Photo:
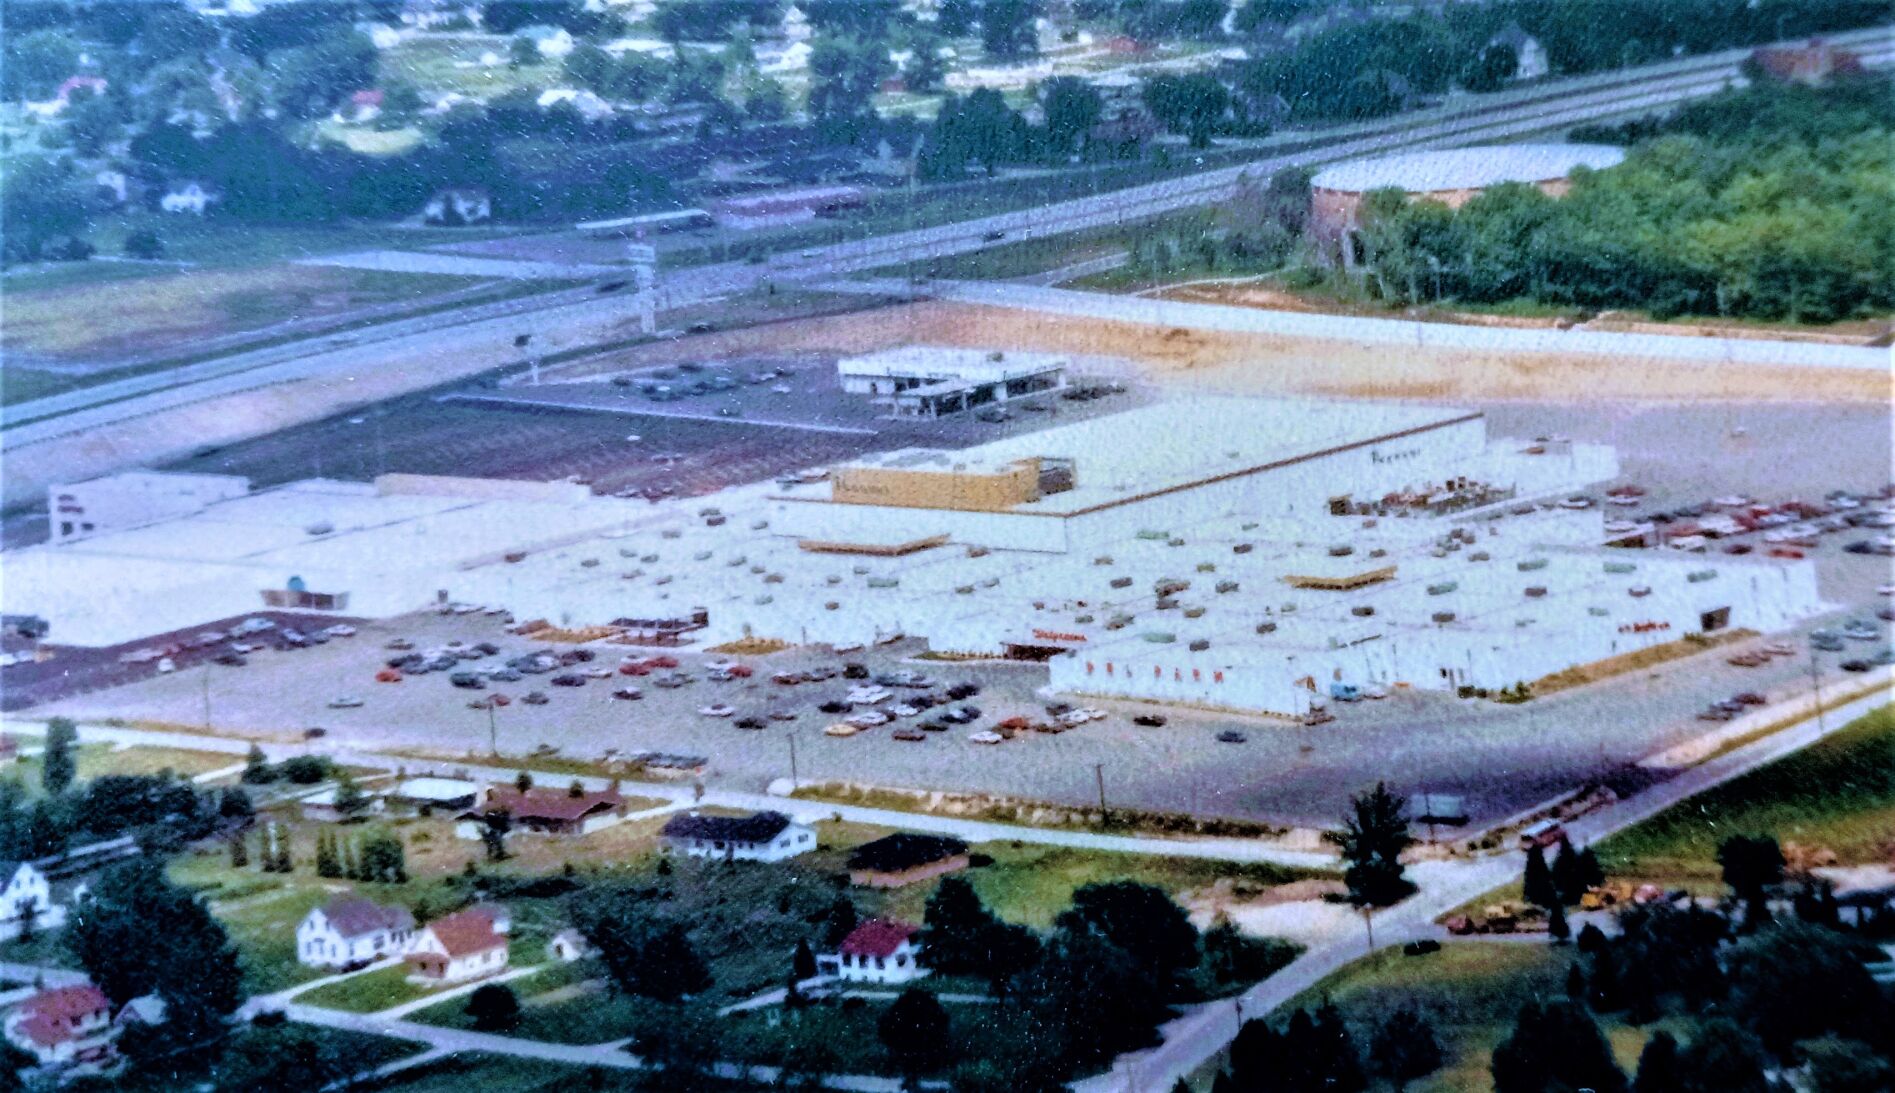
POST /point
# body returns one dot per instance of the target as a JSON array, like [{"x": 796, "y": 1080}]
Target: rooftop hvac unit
[
  {"x": 991, "y": 582},
  {"x": 701, "y": 556},
  {"x": 977, "y": 552},
  {"x": 1266, "y": 628},
  {"x": 322, "y": 528},
  {"x": 1242, "y": 548},
  {"x": 774, "y": 578},
  {"x": 1341, "y": 550},
  {"x": 1103, "y": 559},
  {"x": 1362, "y": 612},
  {"x": 1194, "y": 612},
  {"x": 588, "y": 563},
  {"x": 759, "y": 525},
  {"x": 715, "y": 521},
  {"x": 1166, "y": 603},
  {"x": 1200, "y": 645},
  {"x": 737, "y": 561},
  {"x": 1207, "y": 567},
  {"x": 884, "y": 582},
  {"x": 1531, "y": 564},
  {"x": 1597, "y": 612},
  {"x": 756, "y": 569},
  {"x": 1639, "y": 590},
  {"x": 763, "y": 599},
  {"x": 1118, "y": 622},
  {"x": 1227, "y": 586},
  {"x": 964, "y": 590},
  {"x": 710, "y": 510},
  {"x": 1444, "y": 616},
  {"x": 860, "y": 570},
  {"x": 627, "y": 552},
  {"x": 1620, "y": 567},
  {"x": 832, "y": 579},
  {"x": 1081, "y": 620},
  {"x": 1153, "y": 534},
  {"x": 1480, "y": 556},
  {"x": 1443, "y": 588},
  {"x": 1121, "y": 582},
  {"x": 1378, "y": 552},
  {"x": 1697, "y": 576},
  {"x": 648, "y": 558},
  {"x": 1175, "y": 542},
  {"x": 671, "y": 533},
  {"x": 1288, "y": 608},
  {"x": 1159, "y": 637},
  {"x": 515, "y": 555},
  {"x": 1536, "y": 591}
]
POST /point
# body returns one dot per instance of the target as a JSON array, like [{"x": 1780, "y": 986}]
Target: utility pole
[
  {"x": 794, "y": 781},
  {"x": 493, "y": 730},
  {"x": 1098, "y": 774},
  {"x": 207, "y": 695}
]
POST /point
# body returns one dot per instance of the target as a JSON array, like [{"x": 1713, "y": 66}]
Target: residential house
[
  {"x": 546, "y": 810},
  {"x": 761, "y": 836},
  {"x": 552, "y": 42},
  {"x": 351, "y": 932},
  {"x": 25, "y": 889},
  {"x": 462, "y": 946},
  {"x": 1529, "y": 54},
  {"x": 67, "y": 1027},
  {"x": 458, "y": 205},
  {"x": 877, "y": 951},
  {"x": 904, "y": 858},
  {"x": 189, "y": 197},
  {"x": 146, "y": 1009},
  {"x": 567, "y": 946}
]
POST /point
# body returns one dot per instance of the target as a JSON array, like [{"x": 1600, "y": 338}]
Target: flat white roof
[
  {"x": 1119, "y": 457},
  {"x": 976, "y": 365},
  {"x": 1466, "y": 168}
]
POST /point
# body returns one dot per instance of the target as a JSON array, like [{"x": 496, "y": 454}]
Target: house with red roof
[
  {"x": 351, "y": 932},
  {"x": 67, "y": 1027},
  {"x": 465, "y": 945},
  {"x": 877, "y": 951},
  {"x": 547, "y": 810}
]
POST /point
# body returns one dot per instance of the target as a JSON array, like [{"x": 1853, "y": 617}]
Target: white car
[
  {"x": 868, "y": 696},
  {"x": 984, "y": 737},
  {"x": 1375, "y": 691},
  {"x": 904, "y": 710},
  {"x": 868, "y": 719},
  {"x": 1576, "y": 503},
  {"x": 166, "y": 664},
  {"x": 1074, "y": 718},
  {"x": 717, "y": 709},
  {"x": 344, "y": 702},
  {"x": 465, "y": 608},
  {"x": 599, "y": 673},
  {"x": 341, "y": 630},
  {"x": 1093, "y": 714},
  {"x": 1625, "y": 499}
]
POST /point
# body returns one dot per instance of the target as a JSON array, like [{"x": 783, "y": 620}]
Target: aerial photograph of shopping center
[{"x": 977, "y": 546}]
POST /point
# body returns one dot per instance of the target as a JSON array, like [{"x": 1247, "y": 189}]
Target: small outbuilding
[{"x": 904, "y": 858}]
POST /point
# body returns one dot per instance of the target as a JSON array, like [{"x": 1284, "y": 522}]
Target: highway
[{"x": 482, "y": 327}]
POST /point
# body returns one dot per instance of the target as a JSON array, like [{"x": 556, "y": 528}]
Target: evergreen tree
[
  {"x": 1576, "y": 986},
  {"x": 350, "y": 800},
  {"x": 1750, "y": 865},
  {"x": 1372, "y": 840},
  {"x": 1553, "y": 1049},
  {"x": 523, "y": 781},
  {"x": 1556, "y": 925},
  {"x": 1845, "y": 1066},
  {"x": 1256, "y": 1055},
  {"x": 239, "y": 854},
  {"x": 1592, "y": 940},
  {"x": 803, "y": 964},
  {"x": 256, "y": 769},
  {"x": 1575, "y": 872},
  {"x": 1405, "y": 1048},
  {"x": 575, "y": 790},
  {"x": 384, "y": 860},
  {"x": 495, "y": 823},
  {"x": 1723, "y": 1058},
  {"x": 494, "y": 1008},
  {"x": 57, "y": 765},
  {"x": 842, "y": 921},
  {"x": 1142, "y": 920},
  {"x": 1658, "y": 1066},
  {"x": 914, "y": 1030},
  {"x": 1538, "y": 885},
  {"x": 326, "y": 864},
  {"x": 1337, "y": 1060}
]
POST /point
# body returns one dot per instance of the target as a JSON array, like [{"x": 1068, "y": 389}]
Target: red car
[
  {"x": 388, "y": 675},
  {"x": 662, "y": 660},
  {"x": 635, "y": 668}
]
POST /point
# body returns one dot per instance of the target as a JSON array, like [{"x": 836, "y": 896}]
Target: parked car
[
  {"x": 535, "y": 698},
  {"x": 834, "y": 706},
  {"x": 1232, "y": 736},
  {"x": 855, "y": 671},
  {"x": 908, "y": 733},
  {"x": 629, "y": 694},
  {"x": 984, "y": 736},
  {"x": 782, "y": 715},
  {"x": 467, "y": 681},
  {"x": 386, "y": 675},
  {"x": 750, "y": 723},
  {"x": 231, "y": 659},
  {"x": 841, "y": 728},
  {"x": 569, "y": 679},
  {"x": 344, "y": 702},
  {"x": 1149, "y": 720}
]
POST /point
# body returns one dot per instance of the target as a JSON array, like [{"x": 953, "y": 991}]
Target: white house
[
  {"x": 462, "y": 946},
  {"x": 191, "y": 197},
  {"x": 67, "y": 1027},
  {"x": 877, "y": 951},
  {"x": 552, "y": 42},
  {"x": 567, "y": 946},
  {"x": 763, "y": 836},
  {"x": 349, "y": 932},
  {"x": 26, "y": 887}
]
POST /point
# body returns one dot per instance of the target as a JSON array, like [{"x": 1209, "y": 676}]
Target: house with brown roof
[
  {"x": 465, "y": 945},
  {"x": 67, "y": 1027},
  {"x": 760, "y": 836},
  {"x": 877, "y": 951},
  {"x": 351, "y": 932},
  {"x": 904, "y": 858},
  {"x": 547, "y": 811}
]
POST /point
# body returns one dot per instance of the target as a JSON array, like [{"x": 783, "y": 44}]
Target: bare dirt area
[{"x": 1275, "y": 364}]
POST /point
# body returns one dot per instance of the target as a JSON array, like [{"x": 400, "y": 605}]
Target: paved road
[
  {"x": 1199, "y": 1035},
  {"x": 1250, "y": 320},
  {"x": 448, "y": 335}
]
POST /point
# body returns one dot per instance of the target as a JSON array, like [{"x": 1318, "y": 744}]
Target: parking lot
[
  {"x": 1502, "y": 758},
  {"x": 621, "y": 440}
]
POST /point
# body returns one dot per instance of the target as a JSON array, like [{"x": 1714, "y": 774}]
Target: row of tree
[{"x": 1771, "y": 225}]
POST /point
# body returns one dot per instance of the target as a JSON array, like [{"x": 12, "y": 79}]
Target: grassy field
[
  {"x": 1471, "y": 991},
  {"x": 93, "y": 760},
  {"x": 1837, "y": 794},
  {"x": 438, "y": 64},
  {"x": 363, "y": 1049},
  {"x": 368, "y": 992}
]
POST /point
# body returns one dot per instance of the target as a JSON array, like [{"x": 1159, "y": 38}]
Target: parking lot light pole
[
  {"x": 1098, "y": 774},
  {"x": 493, "y": 731},
  {"x": 794, "y": 783},
  {"x": 207, "y": 696},
  {"x": 1816, "y": 684}
]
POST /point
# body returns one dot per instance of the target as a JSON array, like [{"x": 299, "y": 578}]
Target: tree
[
  {"x": 1750, "y": 865},
  {"x": 523, "y": 52},
  {"x": 36, "y": 63},
  {"x": 1007, "y": 28},
  {"x": 1194, "y": 105},
  {"x": 39, "y": 202},
  {"x": 1575, "y": 872},
  {"x": 309, "y": 81},
  {"x": 495, "y": 823},
  {"x": 350, "y": 800},
  {"x": 1405, "y": 1048},
  {"x": 914, "y": 1030},
  {"x": 1556, "y": 1048},
  {"x": 1723, "y": 1058},
  {"x": 1491, "y": 68},
  {"x": 1538, "y": 883},
  {"x": 1072, "y": 107},
  {"x": 328, "y": 864},
  {"x": 1844, "y": 1066},
  {"x": 957, "y": 18},
  {"x": 1557, "y": 927},
  {"x": 841, "y": 921},
  {"x": 523, "y": 781},
  {"x": 1086, "y": 1001},
  {"x": 144, "y": 244},
  {"x": 1259, "y": 1056},
  {"x": 239, "y": 852},
  {"x": 1142, "y": 920},
  {"x": 1799, "y": 981},
  {"x": 256, "y": 769},
  {"x": 803, "y": 962},
  {"x": 1658, "y": 1068},
  {"x": 494, "y": 1008},
  {"x": 924, "y": 70},
  {"x": 383, "y": 859},
  {"x": 1372, "y": 840},
  {"x": 1334, "y": 1060},
  {"x": 645, "y": 954},
  {"x": 958, "y": 930},
  {"x": 844, "y": 74},
  {"x": 57, "y": 765},
  {"x": 283, "y": 1057}
]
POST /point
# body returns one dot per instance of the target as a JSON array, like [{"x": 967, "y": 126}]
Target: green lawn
[
  {"x": 365, "y": 1050},
  {"x": 368, "y": 992},
  {"x": 1472, "y": 993},
  {"x": 556, "y": 1008},
  {"x": 1838, "y": 793}
]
